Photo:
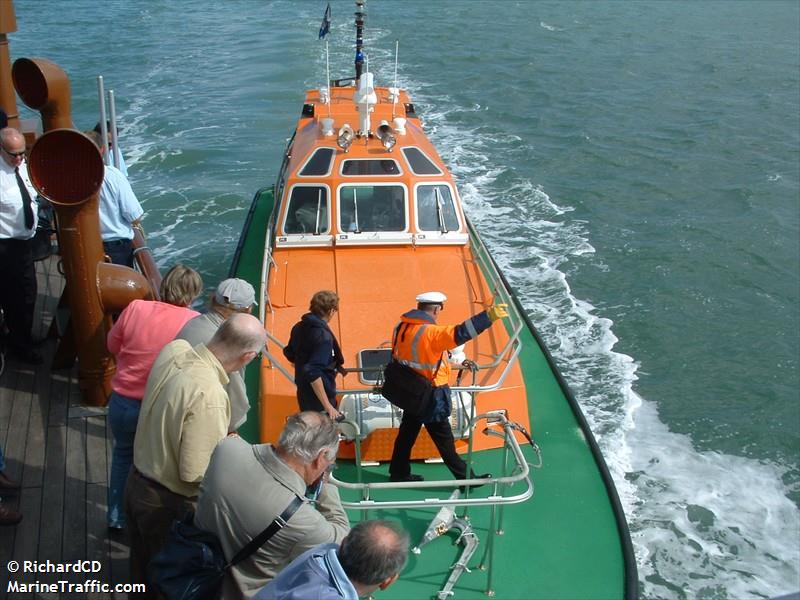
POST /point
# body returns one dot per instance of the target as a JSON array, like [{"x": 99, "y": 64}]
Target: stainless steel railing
[{"x": 520, "y": 472}]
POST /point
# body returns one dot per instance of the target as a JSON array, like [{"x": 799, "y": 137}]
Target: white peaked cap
[{"x": 431, "y": 298}]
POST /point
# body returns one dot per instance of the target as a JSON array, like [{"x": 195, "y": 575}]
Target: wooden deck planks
[{"x": 60, "y": 451}]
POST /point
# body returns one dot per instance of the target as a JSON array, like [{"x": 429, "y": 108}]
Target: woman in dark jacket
[{"x": 316, "y": 355}]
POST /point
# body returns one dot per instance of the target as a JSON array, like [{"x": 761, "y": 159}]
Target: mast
[{"x": 360, "y": 14}]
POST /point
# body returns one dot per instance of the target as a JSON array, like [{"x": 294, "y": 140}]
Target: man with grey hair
[
  {"x": 246, "y": 487},
  {"x": 185, "y": 413},
  {"x": 232, "y": 296},
  {"x": 369, "y": 558}
]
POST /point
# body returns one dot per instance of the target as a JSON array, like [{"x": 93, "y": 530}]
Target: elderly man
[
  {"x": 246, "y": 487},
  {"x": 370, "y": 558},
  {"x": 120, "y": 211},
  {"x": 421, "y": 344},
  {"x": 231, "y": 297},
  {"x": 18, "y": 220},
  {"x": 185, "y": 413}
]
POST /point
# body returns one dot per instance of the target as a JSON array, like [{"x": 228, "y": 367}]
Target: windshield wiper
[
  {"x": 440, "y": 210},
  {"x": 319, "y": 212},
  {"x": 355, "y": 211}
]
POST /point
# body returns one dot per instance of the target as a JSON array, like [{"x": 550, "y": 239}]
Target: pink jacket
[{"x": 141, "y": 331}]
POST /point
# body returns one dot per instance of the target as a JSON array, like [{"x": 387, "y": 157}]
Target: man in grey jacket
[
  {"x": 247, "y": 486},
  {"x": 232, "y": 296}
]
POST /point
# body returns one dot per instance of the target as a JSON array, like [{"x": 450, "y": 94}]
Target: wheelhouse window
[
  {"x": 308, "y": 210},
  {"x": 372, "y": 208},
  {"x": 319, "y": 163},
  {"x": 419, "y": 163},
  {"x": 436, "y": 210},
  {"x": 356, "y": 167}
]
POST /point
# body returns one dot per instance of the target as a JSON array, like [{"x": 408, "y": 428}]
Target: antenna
[
  {"x": 103, "y": 122},
  {"x": 328, "y": 76},
  {"x": 396, "y": 52},
  {"x": 394, "y": 92}
]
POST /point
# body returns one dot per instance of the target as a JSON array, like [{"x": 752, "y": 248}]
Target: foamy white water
[{"x": 704, "y": 524}]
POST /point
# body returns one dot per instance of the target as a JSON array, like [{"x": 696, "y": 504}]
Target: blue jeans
[
  {"x": 2, "y": 461},
  {"x": 123, "y": 414}
]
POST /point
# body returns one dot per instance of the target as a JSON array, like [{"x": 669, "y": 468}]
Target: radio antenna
[
  {"x": 396, "y": 52},
  {"x": 328, "y": 76}
]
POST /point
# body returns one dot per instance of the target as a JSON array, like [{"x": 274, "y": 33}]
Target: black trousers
[
  {"x": 442, "y": 436},
  {"x": 17, "y": 290},
  {"x": 120, "y": 252}
]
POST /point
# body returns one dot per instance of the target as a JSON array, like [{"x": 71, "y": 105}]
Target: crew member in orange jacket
[{"x": 421, "y": 344}]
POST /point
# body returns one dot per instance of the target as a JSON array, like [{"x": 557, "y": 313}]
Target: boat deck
[{"x": 61, "y": 453}]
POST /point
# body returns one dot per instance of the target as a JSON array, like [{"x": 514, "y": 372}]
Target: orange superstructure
[{"x": 365, "y": 206}]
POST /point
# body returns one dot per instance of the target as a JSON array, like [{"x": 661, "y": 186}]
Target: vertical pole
[
  {"x": 114, "y": 137},
  {"x": 396, "y": 52},
  {"x": 471, "y": 433},
  {"x": 328, "y": 77},
  {"x": 8, "y": 98},
  {"x": 396, "y": 90},
  {"x": 101, "y": 96}
]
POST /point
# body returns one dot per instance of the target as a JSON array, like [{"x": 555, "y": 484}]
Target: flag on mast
[{"x": 326, "y": 22}]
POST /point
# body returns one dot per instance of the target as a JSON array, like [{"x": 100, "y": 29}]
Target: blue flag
[{"x": 326, "y": 23}]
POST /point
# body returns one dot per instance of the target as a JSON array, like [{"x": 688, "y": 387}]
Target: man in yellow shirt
[{"x": 185, "y": 413}]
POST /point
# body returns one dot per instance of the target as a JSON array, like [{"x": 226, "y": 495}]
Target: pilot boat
[{"x": 364, "y": 205}]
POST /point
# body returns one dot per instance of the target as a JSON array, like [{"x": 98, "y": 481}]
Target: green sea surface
[{"x": 634, "y": 167}]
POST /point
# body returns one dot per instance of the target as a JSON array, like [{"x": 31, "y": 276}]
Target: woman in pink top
[{"x": 141, "y": 331}]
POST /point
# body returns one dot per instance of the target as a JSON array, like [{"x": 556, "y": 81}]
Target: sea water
[{"x": 634, "y": 167}]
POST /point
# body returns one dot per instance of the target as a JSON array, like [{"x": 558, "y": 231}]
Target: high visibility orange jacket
[{"x": 421, "y": 344}]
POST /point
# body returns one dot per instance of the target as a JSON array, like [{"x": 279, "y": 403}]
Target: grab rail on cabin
[
  {"x": 265, "y": 266},
  {"x": 520, "y": 472}
]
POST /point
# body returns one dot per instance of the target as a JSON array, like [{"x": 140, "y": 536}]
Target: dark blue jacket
[{"x": 315, "y": 353}]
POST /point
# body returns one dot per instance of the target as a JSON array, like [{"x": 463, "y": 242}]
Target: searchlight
[
  {"x": 345, "y": 137},
  {"x": 385, "y": 136}
]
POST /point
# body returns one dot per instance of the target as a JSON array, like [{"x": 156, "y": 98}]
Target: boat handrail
[
  {"x": 521, "y": 472},
  {"x": 467, "y": 388},
  {"x": 265, "y": 266}
]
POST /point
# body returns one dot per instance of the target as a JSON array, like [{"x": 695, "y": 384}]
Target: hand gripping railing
[{"x": 520, "y": 472}]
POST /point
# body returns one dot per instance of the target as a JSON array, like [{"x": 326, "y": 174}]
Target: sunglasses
[{"x": 14, "y": 154}]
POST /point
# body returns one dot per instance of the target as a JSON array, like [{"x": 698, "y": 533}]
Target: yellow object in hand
[{"x": 497, "y": 311}]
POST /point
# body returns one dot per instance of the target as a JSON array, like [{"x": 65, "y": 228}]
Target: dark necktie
[{"x": 26, "y": 200}]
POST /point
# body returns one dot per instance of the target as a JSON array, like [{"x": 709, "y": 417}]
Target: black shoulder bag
[
  {"x": 407, "y": 389},
  {"x": 191, "y": 565}
]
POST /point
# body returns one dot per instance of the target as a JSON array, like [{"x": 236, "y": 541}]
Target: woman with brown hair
[
  {"x": 316, "y": 355},
  {"x": 142, "y": 330}
]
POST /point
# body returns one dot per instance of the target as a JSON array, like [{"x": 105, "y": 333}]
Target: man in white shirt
[
  {"x": 123, "y": 168},
  {"x": 120, "y": 211},
  {"x": 18, "y": 220}
]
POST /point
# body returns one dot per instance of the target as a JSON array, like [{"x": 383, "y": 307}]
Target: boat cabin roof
[{"x": 365, "y": 190}]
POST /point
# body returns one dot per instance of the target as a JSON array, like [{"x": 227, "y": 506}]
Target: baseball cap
[{"x": 235, "y": 293}]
